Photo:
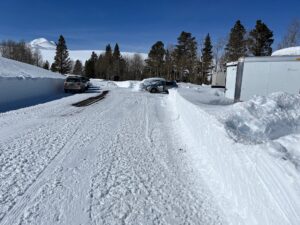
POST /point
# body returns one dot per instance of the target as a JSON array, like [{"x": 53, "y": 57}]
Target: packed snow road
[{"x": 114, "y": 162}]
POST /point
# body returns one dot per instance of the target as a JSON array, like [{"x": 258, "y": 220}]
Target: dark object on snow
[{"x": 91, "y": 100}]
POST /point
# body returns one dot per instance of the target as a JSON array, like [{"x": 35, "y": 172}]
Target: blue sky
[{"x": 136, "y": 25}]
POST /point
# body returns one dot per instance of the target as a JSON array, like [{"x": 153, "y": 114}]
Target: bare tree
[
  {"x": 292, "y": 36},
  {"x": 18, "y": 51},
  {"x": 218, "y": 53},
  {"x": 136, "y": 66},
  {"x": 37, "y": 58}
]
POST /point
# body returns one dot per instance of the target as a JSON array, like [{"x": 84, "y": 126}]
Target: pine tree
[
  {"x": 185, "y": 56},
  {"x": 155, "y": 61},
  {"x": 78, "y": 68},
  {"x": 46, "y": 65},
  {"x": 260, "y": 40},
  {"x": 62, "y": 62},
  {"x": 90, "y": 64},
  {"x": 207, "y": 57},
  {"x": 116, "y": 63},
  {"x": 53, "y": 67},
  {"x": 116, "y": 53},
  {"x": 236, "y": 46},
  {"x": 108, "y": 62}
]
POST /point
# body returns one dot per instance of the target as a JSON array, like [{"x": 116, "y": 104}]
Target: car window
[{"x": 72, "y": 79}]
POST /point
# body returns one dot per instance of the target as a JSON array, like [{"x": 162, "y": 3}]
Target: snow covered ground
[
  {"x": 190, "y": 157},
  {"x": 114, "y": 162},
  {"x": 248, "y": 153}
]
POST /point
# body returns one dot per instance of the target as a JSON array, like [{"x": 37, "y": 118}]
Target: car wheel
[{"x": 153, "y": 90}]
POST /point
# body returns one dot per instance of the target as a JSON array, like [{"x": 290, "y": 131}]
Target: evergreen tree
[
  {"x": 260, "y": 40},
  {"x": 117, "y": 63},
  {"x": 108, "y": 62},
  {"x": 62, "y": 62},
  {"x": 46, "y": 65},
  {"x": 155, "y": 61},
  {"x": 78, "y": 68},
  {"x": 236, "y": 46},
  {"x": 116, "y": 53},
  {"x": 185, "y": 56},
  {"x": 53, "y": 67},
  {"x": 90, "y": 64},
  {"x": 207, "y": 56}
]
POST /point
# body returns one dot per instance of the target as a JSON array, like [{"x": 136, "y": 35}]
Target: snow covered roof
[
  {"x": 287, "y": 51},
  {"x": 232, "y": 63}
]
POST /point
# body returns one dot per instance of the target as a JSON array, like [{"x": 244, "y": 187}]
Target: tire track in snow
[
  {"x": 68, "y": 130},
  {"x": 141, "y": 186}
]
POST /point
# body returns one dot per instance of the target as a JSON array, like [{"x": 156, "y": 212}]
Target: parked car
[
  {"x": 154, "y": 85},
  {"x": 87, "y": 82},
  {"x": 75, "y": 84},
  {"x": 171, "y": 84}
]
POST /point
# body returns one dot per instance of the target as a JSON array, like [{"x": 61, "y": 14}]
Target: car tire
[{"x": 153, "y": 90}]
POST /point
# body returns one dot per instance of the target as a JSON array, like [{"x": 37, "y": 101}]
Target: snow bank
[
  {"x": 12, "y": 68},
  {"x": 263, "y": 118},
  {"x": 287, "y": 51},
  {"x": 20, "y": 82},
  {"x": 132, "y": 84},
  {"x": 251, "y": 186}
]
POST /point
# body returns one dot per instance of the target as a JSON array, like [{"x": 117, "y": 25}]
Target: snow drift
[
  {"x": 20, "y": 82},
  {"x": 255, "y": 183},
  {"x": 263, "y": 118}
]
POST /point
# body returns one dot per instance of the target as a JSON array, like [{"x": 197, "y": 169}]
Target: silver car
[
  {"x": 154, "y": 85},
  {"x": 75, "y": 84}
]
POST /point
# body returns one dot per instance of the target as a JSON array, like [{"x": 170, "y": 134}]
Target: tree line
[
  {"x": 187, "y": 60},
  {"x": 21, "y": 52},
  {"x": 184, "y": 61}
]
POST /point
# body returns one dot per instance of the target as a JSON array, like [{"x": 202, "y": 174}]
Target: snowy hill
[
  {"x": 42, "y": 43},
  {"x": 47, "y": 49},
  {"x": 287, "y": 51}
]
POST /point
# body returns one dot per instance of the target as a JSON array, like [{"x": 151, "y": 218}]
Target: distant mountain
[
  {"x": 47, "y": 49},
  {"x": 42, "y": 43}
]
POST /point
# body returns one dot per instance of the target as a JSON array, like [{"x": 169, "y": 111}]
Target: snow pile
[
  {"x": 263, "y": 118},
  {"x": 20, "y": 83},
  {"x": 124, "y": 84},
  {"x": 131, "y": 84},
  {"x": 287, "y": 51},
  {"x": 42, "y": 43},
  {"x": 253, "y": 184}
]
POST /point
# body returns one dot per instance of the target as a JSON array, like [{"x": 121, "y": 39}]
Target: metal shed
[{"x": 261, "y": 76}]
